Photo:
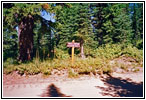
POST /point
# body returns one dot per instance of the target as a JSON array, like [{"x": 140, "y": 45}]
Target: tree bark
[
  {"x": 25, "y": 35},
  {"x": 82, "y": 50}
]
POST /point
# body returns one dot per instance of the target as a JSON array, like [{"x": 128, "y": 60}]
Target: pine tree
[
  {"x": 63, "y": 29},
  {"x": 24, "y": 16},
  {"x": 98, "y": 20},
  {"x": 112, "y": 23},
  {"x": 122, "y": 24},
  {"x": 85, "y": 29},
  {"x": 10, "y": 47},
  {"x": 137, "y": 24}
]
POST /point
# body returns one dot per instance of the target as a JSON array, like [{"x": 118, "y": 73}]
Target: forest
[{"x": 35, "y": 36}]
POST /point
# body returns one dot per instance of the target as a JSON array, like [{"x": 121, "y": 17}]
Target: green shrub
[
  {"x": 139, "y": 44},
  {"x": 28, "y": 69},
  {"x": 60, "y": 54},
  {"x": 133, "y": 52},
  {"x": 10, "y": 61},
  {"x": 109, "y": 51},
  {"x": 89, "y": 52},
  {"x": 9, "y": 69}
]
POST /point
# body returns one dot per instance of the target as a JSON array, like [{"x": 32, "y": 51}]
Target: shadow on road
[
  {"x": 53, "y": 91},
  {"x": 118, "y": 87}
]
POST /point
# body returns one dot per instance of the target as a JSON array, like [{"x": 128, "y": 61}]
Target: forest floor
[{"x": 120, "y": 83}]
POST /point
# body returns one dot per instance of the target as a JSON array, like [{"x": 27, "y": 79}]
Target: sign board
[{"x": 71, "y": 44}]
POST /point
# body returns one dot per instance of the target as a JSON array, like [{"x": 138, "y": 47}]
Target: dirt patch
[
  {"x": 123, "y": 85},
  {"x": 117, "y": 85},
  {"x": 125, "y": 64},
  {"x": 120, "y": 83}
]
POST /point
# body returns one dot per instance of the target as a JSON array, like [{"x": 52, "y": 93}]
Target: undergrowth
[
  {"x": 111, "y": 51},
  {"x": 99, "y": 64}
]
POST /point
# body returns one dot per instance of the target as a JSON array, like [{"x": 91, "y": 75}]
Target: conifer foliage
[{"x": 91, "y": 24}]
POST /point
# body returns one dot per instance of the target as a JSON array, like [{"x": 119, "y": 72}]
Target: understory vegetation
[{"x": 99, "y": 64}]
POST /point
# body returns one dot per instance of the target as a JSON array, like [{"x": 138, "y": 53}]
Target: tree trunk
[
  {"x": 82, "y": 50},
  {"x": 25, "y": 35}
]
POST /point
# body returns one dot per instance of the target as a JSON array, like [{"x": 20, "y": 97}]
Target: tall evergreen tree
[
  {"x": 112, "y": 23},
  {"x": 84, "y": 29},
  {"x": 122, "y": 23},
  {"x": 24, "y": 15},
  {"x": 98, "y": 21},
  {"x": 137, "y": 24}
]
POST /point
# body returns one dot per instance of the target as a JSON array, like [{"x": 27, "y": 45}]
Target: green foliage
[
  {"x": 10, "y": 47},
  {"x": 9, "y": 69},
  {"x": 28, "y": 69},
  {"x": 123, "y": 29},
  {"x": 14, "y": 14},
  {"x": 60, "y": 54},
  {"x": 93, "y": 24},
  {"x": 139, "y": 44},
  {"x": 106, "y": 31},
  {"x": 111, "y": 51},
  {"x": 100, "y": 64},
  {"x": 10, "y": 61},
  {"x": 137, "y": 24},
  {"x": 133, "y": 52}
]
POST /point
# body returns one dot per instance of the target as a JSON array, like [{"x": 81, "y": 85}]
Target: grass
[
  {"x": 82, "y": 66},
  {"x": 98, "y": 65},
  {"x": 72, "y": 74}
]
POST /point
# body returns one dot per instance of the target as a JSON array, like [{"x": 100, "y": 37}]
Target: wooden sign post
[
  {"x": 72, "y": 53},
  {"x": 73, "y": 45}
]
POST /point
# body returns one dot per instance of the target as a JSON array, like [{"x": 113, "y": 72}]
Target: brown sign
[{"x": 71, "y": 44}]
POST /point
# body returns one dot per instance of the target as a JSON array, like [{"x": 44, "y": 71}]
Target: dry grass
[{"x": 98, "y": 65}]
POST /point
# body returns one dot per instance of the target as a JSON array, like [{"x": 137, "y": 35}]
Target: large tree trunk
[{"x": 25, "y": 33}]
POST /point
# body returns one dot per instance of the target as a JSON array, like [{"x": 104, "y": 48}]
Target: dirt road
[{"x": 115, "y": 85}]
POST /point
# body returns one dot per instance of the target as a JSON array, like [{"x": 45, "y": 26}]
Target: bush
[
  {"x": 28, "y": 69},
  {"x": 10, "y": 61},
  {"x": 133, "y": 52},
  {"x": 89, "y": 52},
  {"x": 109, "y": 51},
  {"x": 60, "y": 54},
  {"x": 9, "y": 69},
  {"x": 139, "y": 44}
]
